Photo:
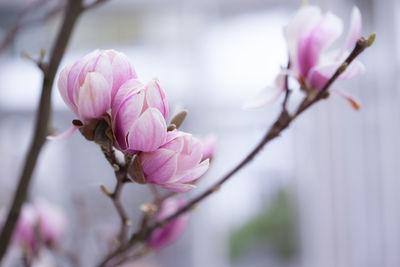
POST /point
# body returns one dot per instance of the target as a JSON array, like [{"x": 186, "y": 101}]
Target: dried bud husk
[
  {"x": 100, "y": 133},
  {"x": 171, "y": 127},
  {"x": 88, "y": 129},
  {"x": 135, "y": 171},
  {"x": 179, "y": 118}
]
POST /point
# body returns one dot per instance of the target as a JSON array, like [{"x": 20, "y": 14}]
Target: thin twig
[
  {"x": 283, "y": 121},
  {"x": 287, "y": 90},
  {"x": 41, "y": 126},
  {"x": 116, "y": 199},
  {"x": 20, "y": 24}
]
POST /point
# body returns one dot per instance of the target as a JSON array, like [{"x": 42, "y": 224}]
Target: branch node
[
  {"x": 105, "y": 190},
  {"x": 116, "y": 167}
]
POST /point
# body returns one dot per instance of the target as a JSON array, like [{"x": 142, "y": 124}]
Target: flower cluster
[
  {"x": 40, "y": 224},
  {"x": 308, "y": 35},
  {"x": 105, "y": 84}
]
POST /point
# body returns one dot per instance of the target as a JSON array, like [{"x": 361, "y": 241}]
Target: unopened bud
[
  {"x": 179, "y": 118},
  {"x": 42, "y": 53},
  {"x": 105, "y": 190},
  {"x": 343, "y": 67},
  {"x": 371, "y": 39}
]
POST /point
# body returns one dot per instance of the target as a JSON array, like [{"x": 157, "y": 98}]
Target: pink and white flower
[
  {"x": 138, "y": 116},
  {"x": 168, "y": 234},
  {"x": 40, "y": 223},
  {"x": 308, "y": 35},
  {"x": 91, "y": 83},
  {"x": 176, "y": 163}
]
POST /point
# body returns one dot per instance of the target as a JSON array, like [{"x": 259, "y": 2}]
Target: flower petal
[
  {"x": 130, "y": 86},
  {"x": 177, "y": 187},
  {"x": 196, "y": 172},
  {"x": 313, "y": 42},
  {"x": 159, "y": 166},
  {"x": 319, "y": 75},
  {"x": 64, "y": 89},
  {"x": 355, "y": 103},
  {"x": 156, "y": 98},
  {"x": 94, "y": 97},
  {"x": 148, "y": 132},
  {"x": 125, "y": 116},
  {"x": 63, "y": 135},
  {"x": 355, "y": 28},
  {"x": 122, "y": 71},
  {"x": 268, "y": 95},
  {"x": 303, "y": 21},
  {"x": 191, "y": 154}
]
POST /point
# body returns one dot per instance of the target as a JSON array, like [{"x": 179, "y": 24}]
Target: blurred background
[{"x": 326, "y": 193}]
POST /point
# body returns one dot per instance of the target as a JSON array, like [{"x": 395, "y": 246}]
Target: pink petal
[
  {"x": 126, "y": 115},
  {"x": 129, "y": 87},
  {"x": 319, "y": 75},
  {"x": 64, "y": 88},
  {"x": 355, "y": 103},
  {"x": 63, "y": 135},
  {"x": 148, "y": 132},
  {"x": 196, "y": 172},
  {"x": 52, "y": 221},
  {"x": 175, "y": 144},
  {"x": 303, "y": 21},
  {"x": 172, "y": 231},
  {"x": 191, "y": 154},
  {"x": 268, "y": 95},
  {"x": 94, "y": 97},
  {"x": 122, "y": 71},
  {"x": 159, "y": 166},
  {"x": 177, "y": 187},
  {"x": 156, "y": 98},
  {"x": 312, "y": 43},
  {"x": 355, "y": 28},
  {"x": 74, "y": 81}
]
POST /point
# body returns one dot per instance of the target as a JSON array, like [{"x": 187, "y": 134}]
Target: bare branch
[{"x": 72, "y": 13}]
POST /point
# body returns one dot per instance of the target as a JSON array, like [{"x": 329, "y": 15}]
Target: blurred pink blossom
[
  {"x": 176, "y": 163},
  {"x": 91, "y": 83},
  {"x": 168, "y": 234},
  {"x": 308, "y": 35},
  {"x": 40, "y": 223},
  {"x": 138, "y": 116}
]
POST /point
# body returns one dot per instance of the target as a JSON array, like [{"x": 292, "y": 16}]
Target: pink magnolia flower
[
  {"x": 90, "y": 84},
  {"x": 168, "y": 234},
  {"x": 39, "y": 223},
  {"x": 176, "y": 163},
  {"x": 138, "y": 116},
  {"x": 308, "y": 35}
]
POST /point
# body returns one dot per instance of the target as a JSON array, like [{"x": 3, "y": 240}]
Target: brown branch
[
  {"x": 20, "y": 24},
  {"x": 73, "y": 10},
  {"x": 281, "y": 124}
]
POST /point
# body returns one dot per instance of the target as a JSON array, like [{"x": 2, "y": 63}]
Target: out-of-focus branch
[
  {"x": 21, "y": 24},
  {"x": 121, "y": 175},
  {"x": 41, "y": 126},
  {"x": 73, "y": 10},
  {"x": 282, "y": 122}
]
